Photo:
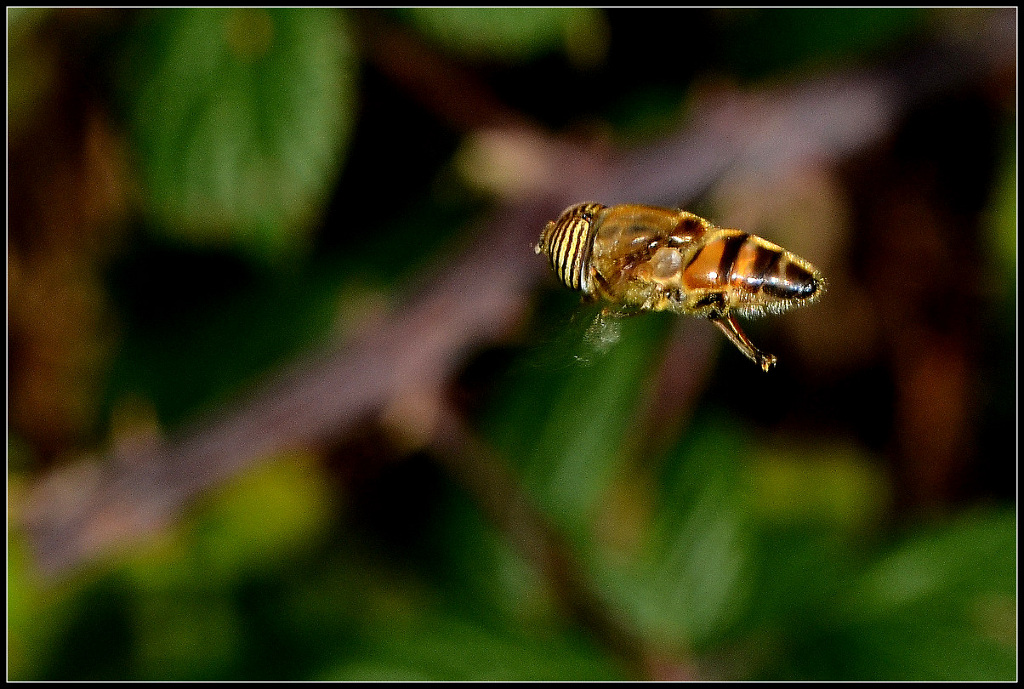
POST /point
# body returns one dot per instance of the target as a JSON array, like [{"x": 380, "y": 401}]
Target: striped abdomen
[
  {"x": 569, "y": 245},
  {"x": 646, "y": 258},
  {"x": 755, "y": 274}
]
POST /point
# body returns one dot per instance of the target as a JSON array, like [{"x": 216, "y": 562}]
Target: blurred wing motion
[
  {"x": 646, "y": 258},
  {"x": 603, "y": 333}
]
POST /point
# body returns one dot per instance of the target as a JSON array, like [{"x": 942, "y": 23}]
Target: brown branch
[{"x": 77, "y": 512}]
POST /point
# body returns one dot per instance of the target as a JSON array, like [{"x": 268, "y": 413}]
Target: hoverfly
[{"x": 646, "y": 258}]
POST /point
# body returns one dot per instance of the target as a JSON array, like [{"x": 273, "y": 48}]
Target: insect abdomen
[{"x": 756, "y": 272}]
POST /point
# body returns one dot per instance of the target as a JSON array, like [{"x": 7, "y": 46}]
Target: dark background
[{"x": 291, "y": 397}]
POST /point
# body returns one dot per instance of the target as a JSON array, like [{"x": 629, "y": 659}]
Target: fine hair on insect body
[{"x": 639, "y": 258}]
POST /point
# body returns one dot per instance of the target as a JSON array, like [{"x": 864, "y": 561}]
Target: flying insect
[{"x": 647, "y": 258}]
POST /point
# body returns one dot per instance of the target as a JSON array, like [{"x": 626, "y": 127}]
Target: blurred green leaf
[
  {"x": 183, "y": 364},
  {"x": 765, "y": 41},
  {"x": 193, "y": 344},
  {"x": 647, "y": 114},
  {"x": 428, "y": 644},
  {"x": 692, "y": 578},
  {"x": 834, "y": 486},
  {"x": 37, "y": 614},
  {"x": 22, "y": 20},
  {"x": 749, "y": 557},
  {"x": 183, "y": 585},
  {"x": 19, "y": 456},
  {"x": 922, "y": 648},
  {"x": 240, "y": 118},
  {"x": 259, "y": 521},
  {"x": 1002, "y": 213},
  {"x": 32, "y": 69},
  {"x": 568, "y": 409},
  {"x": 973, "y": 556},
  {"x": 508, "y": 33},
  {"x": 185, "y": 635},
  {"x": 483, "y": 576},
  {"x": 265, "y": 517},
  {"x": 375, "y": 619},
  {"x": 939, "y": 606}
]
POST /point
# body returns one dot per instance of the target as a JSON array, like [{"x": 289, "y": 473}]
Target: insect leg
[{"x": 731, "y": 328}]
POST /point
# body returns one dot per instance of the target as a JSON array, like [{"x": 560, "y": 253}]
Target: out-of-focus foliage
[
  {"x": 513, "y": 34},
  {"x": 246, "y": 588},
  {"x": 564, "y": 429},
  {"x": 764, "y": 534},
  {"x": 239, "y": 119},
  {"x": 1002, "y": 217},
  {"x": 202, "y": 341},
  {"x": 773, "y": 41}
]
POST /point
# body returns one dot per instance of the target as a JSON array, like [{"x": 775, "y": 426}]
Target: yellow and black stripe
[
  {"x": 749, "y": 263},
  {"x": 569, "y": 245}
]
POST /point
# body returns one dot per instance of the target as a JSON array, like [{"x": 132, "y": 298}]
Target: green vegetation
[{"x": 281, "y": 190}]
